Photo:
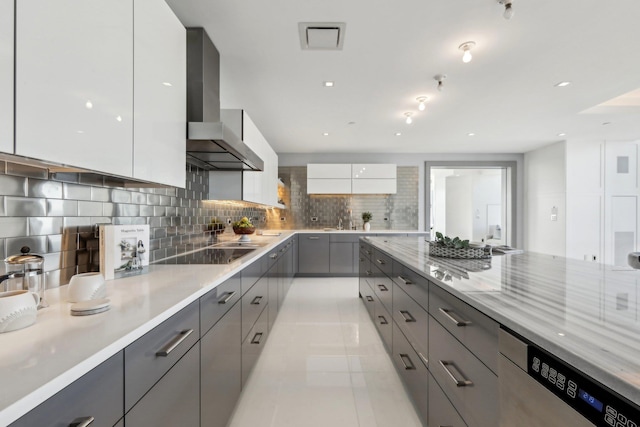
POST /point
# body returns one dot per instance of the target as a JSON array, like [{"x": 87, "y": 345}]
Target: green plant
[
  {"x": 448, "y": 242},
  {"x": 366, "y": 216}
]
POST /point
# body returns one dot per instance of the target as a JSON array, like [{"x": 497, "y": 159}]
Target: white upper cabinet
[
  {"x": 6, "y": 76},
  {"x": 74, "y": 83},
  {"x": 159, "y": 84},
  {"x": 351, "y": 179},
  {"x": 373, "y": 171},
  {"x": 259, "y": 187}
]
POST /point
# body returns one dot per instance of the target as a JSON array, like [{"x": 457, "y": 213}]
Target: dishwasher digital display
[{"x": 579, "y": 391}]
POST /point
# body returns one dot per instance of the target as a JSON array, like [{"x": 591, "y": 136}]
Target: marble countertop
[
  {"x": 42, "y": 359},
  {"x": 587, "y": 314}
]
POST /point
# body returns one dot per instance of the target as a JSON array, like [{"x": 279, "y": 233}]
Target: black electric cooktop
[{"x": 208, "y": 256}]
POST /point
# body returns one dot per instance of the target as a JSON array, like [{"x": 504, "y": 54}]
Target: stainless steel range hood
[{"x": 211, "y": 144}]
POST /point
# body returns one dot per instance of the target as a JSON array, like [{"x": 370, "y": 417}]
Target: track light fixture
[
  {"x": 421, "y": 100},
  {"x": 466, "y": 48},
  {"x": 440, "y": 79},
  {"x": 508, "y": 8}
]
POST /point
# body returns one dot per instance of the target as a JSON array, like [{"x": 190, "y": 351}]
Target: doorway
[{"x": 472, "y": 200}]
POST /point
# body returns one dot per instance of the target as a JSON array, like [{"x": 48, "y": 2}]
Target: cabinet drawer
[
  {"x": 383, "y": 262},
  {"x": 383, "y": 321},
  {"x": 175, "y": 399},
  {"x": 413, "y": 320},
  {"x": 251, "y": 274},
  {"x": 467, "y": 382},
  {"x": 383, "y": 287},
  {"x": 365, "y": 249},
  {"x": 413, "y": 373},
  {"x": 217, "y": 302},
  {"x": 368, "y": 297},
  {"x": 364, "y": 265},
  {"x": 253, "y": 302},
  {"x": 416, "y": 286},
  {"x": 150, "y": 357},
  {"x": 253, "y": 345},
  {"x": 476, "y": 331},
  {"x": 441, "y": 411},
  {"x": 97, "y": 394},
  {"x": 344, "y": 238}
]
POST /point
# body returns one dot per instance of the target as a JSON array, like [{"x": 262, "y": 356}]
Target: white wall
[
  {"x": 415, "y": 159},
  {"x": 545, "y": 194}
]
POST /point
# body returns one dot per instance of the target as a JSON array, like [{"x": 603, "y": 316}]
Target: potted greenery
[{"x": 366, "y": 217}]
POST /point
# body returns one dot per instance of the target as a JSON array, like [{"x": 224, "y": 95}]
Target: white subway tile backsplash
[
  {"x": 23, "y": 206},
  {"x": 44, "y": 189},
  {"x": 62, "y": 207},
  {"x": 42, "y": 226},
  {"x": 76, "y": 191}
]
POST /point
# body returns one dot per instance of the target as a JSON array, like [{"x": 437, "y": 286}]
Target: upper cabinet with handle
[
  {"x": 89, "y": 94},
  {"x": 74, "y": 75},
  {"x": 351, "y": 178},
  {"x": 6, "y": 75}
]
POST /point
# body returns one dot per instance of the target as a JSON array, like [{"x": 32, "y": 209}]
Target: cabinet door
[
  {"x": 374, "y": 186},
  {"x": 313, "y": 253},
  {"x": 341, "y": 258},
  {"x": 275, "y": 289},
  {"x": 74, "y": 83},
  {"x": 328, "y": 186},
  {"x": 6, "y": 75},
  {"x": 329, "y": 170},
  {"x": 159, "y": 84},
  {"x": 97, "y": 394},
  {"x": 221, "y": 369},
  {"x": 175, "y": 399},
  {"x": 253, "y": 345},
  {"x": 413, "y": 373},
  {"x": 441, "y": 411},
  {"x": 373, "y": 170}
]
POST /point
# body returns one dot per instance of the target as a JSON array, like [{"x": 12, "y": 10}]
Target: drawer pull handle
[
  {"x": 404, "y": 358},
  {"x": 381, "y": 262},
  {"x": 273, "y": 256},
  {"x": 368, "y": 252},
  {"x": 405, "y": 281},
  {"x": 82, "y": 422},
  {"x": 314, "y": 238},
  {"x": 368, "y": 273},
  {"x": 426, "y": 361},
  {"x": 369, "y": 298},
  {"x": 383, "y": 321},
  {"x": 175, "y": 342},
  {"x": 457, "y": 322},
  {"x": 257, "y": 338},
  {"x": 458, "y": 383},
  {"x": 383, "y": 288},
  {"x": 407, "y": 316},
  {"x": 227, "y": 298},
  {"x": 256, "y": 300},
  {"x": 361, "y": 259},
  {"x": 282, "y": 250}
]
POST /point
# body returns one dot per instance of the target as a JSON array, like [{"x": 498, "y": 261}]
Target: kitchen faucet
[{"x": 339, "y": 223}]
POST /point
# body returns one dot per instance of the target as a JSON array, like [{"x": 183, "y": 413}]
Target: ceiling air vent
[{"x": 321, "y": 35}]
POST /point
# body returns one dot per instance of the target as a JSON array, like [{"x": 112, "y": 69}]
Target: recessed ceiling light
[
  {"x": 471, "y": 134},
  {"x": 328, "y": 84},
  {"x": 421, "y": 100},
  {"x": 326, "y": 134},
  {"x": 562, "y": 134},
  {"x": 351, "y": 123},
  {"x": 167, "y": 84},
  {"x": 562, "y": 84},
  {"x": 408, "y": 115},
  {"x": 466, "y": 48},
  {"x": 398, "y": 133},
  {"x": 606, "y": 123}
]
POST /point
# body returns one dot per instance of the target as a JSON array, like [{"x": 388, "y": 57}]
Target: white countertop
[
  {"x": 40, "y": 360},
  {"x": 585, "y": 313}
]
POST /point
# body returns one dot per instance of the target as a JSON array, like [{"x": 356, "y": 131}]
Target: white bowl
[
  {"x": 18, "y": 309},
  {"x": 86, "y": 286}
]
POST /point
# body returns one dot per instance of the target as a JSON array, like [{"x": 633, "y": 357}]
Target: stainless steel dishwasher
[{"x": 539, "y": 390}]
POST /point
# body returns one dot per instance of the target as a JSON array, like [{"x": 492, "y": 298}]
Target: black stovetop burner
[{"x": 207, "y": 256}]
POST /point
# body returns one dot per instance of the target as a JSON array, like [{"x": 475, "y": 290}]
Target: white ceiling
[{"x": 392, "y": 50}]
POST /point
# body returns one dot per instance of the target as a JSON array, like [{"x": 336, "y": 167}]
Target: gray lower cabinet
[
  {"x": 253, "y": 344},
  {"x": 221, "y": 369},
  {"x": 120, "y": 423},
  {"x": 276, "y": 288},
  {"x": 98, "y": 394},
  {"x": 413, "y": 372},
  {"x": 313, "y": 253},
  {"x": 441, "y": 410},
  {"x": 175, "y": 399},
  {"x": 341, "y": 259}
]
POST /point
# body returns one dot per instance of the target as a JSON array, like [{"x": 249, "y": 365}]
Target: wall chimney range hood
[{"x": 211, "y": 145}]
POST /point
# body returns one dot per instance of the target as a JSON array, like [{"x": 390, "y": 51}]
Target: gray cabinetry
[
  {"x": 218, "y": 301},
  {"x": 253, "y": 344},
  {"x": 98, "y": 394},
  {"x": 441, "y": 410},
  {"x": 221, "y": 369},
  {"x": 413, "y": 321},
  {"x": 253, "y": 302},
  {"x": 175, "y": 399},
  {"x": 151, "y": 356},
  {"x": 313, "y": 254},
  {"x": 341, "y": 258},
  {"x": 412, "y": 371}
]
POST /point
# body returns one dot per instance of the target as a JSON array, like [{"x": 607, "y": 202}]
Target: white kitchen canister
[{"x": 86, "y": 286}]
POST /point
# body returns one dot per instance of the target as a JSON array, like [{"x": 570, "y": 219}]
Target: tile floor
[{"x": 324, "y": 365}]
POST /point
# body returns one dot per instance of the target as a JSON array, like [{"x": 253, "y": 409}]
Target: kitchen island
[{"x": 583, "y": 313}]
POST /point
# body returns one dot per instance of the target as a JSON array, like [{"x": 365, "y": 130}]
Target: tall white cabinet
[
  {"x": 6, "y": 76},
  {"x": 74, "y": 91},
  {"x": 260, "y": 187},
  {"x": 159, "y": 85}
]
